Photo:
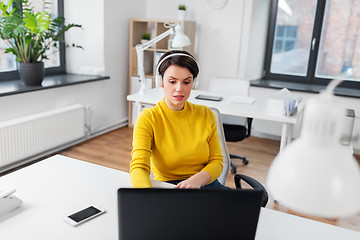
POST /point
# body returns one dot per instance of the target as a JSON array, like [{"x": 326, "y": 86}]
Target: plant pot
[
  {"x": 32, "y": 74},
  {"x": 181, "y": 14},
  {"x": 144, "y": 41}
]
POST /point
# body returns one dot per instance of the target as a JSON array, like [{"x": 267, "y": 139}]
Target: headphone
[{"x": 158, "y": 77}]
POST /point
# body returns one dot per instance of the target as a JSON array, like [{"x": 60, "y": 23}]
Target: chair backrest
[
  {"x": 224, "y": 150},
  {"x": 230, "y": 86}
]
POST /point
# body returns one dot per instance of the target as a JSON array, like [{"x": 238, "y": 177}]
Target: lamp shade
[
  {"x": 180, "y": 39},
  {"x": 316, "y": 174}
]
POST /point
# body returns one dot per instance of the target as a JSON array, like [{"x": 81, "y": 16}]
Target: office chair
[
  {"x": 235, "y": 128},
  {"x": 224, "y": 150},
  {"x": 226, "y": 163},
  {"x": 254, "y": 184}
]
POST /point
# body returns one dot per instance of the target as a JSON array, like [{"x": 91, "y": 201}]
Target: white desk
[
  {"x": 57, "y": 186},
  {"x": 262, "y": 108}
]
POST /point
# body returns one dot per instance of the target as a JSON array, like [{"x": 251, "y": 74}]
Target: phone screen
[{"x": 84, "y": 214}]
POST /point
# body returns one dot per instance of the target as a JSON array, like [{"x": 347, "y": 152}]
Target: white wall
[
  {"x": 253, "y": 39},
  {"x": 91, "y": 37},
  {"x": 217, "y": 37}
]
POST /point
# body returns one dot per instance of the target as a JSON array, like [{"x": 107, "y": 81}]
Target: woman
[{"x": 176, "y": 139}]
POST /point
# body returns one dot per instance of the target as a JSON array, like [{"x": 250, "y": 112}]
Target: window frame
[
  {"x": 310, "y": 78},
  {"x": 61, "y": 69}
]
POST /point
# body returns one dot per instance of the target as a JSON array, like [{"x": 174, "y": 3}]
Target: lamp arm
[
  {"x": 141, "y": 71},
  {"x": 155, "y": 40},
  {"x": 332, "y": 85},
  {"x": 335, "y": 82},
  {"x": 140, "y": 48}
]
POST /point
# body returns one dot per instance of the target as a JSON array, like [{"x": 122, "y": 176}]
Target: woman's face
[{"x": 177, "y": 83}]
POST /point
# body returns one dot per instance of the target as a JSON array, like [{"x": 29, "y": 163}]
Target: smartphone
[
  {"x": 208, "y": 97},
  {"x": 84, "y": 215}
]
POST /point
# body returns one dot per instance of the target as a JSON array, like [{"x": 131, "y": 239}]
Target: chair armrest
[{"x": 253, "y": 183}]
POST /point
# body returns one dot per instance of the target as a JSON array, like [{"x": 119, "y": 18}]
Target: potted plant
[
  {"x": 29, "y": 34},
  {"x": 182, "y": 11},
  {"x": 145, "y": 37}
]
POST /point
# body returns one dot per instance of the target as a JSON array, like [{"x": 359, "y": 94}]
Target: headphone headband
[{"x": 172, "y": 55}]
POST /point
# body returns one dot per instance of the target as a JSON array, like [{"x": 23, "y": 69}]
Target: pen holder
[{"x": 8, "y": 205}]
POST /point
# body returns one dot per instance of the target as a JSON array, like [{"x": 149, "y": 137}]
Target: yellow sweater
[{"x": 178, "y": 144}]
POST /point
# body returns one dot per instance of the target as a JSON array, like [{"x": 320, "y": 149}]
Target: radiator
[{"x": 28, "y": 136}]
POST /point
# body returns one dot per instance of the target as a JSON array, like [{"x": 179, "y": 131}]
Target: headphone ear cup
[
  {"x": 195, "y": 84},
  {"x": 158, "y": 81}
]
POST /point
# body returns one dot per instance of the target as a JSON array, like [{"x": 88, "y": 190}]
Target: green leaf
[
  {"x": 3, "y": 8},
  {"x": 11, "y": 26},
  {"x": 10, "y": 50},
  {"x": 28, "y": 39},
  {"x": 31, "y": 22},
  {"x": 20, "y": 30},
  {"x": 43, "y": 20},
  {"x": 6, "y": 9}
]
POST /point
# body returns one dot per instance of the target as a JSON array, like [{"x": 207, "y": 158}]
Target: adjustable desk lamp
[
  {"x": 179, "y": 40},
  {"x": 315, "y": 174}
]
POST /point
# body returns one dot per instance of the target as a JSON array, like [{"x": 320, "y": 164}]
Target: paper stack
[{"x": 290, "y": 102}]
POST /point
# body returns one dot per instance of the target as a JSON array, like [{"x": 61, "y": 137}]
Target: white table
[
  {"x": 57, "y": 186},
  {"x": 261, "y": 108}
]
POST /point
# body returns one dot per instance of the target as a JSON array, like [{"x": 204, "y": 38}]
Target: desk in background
[
  {"x": 261, "y": 108},
  {"x": 60, "y": 185}
]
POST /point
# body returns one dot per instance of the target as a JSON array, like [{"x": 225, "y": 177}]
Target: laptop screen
[{"x": 184, "y": 214}]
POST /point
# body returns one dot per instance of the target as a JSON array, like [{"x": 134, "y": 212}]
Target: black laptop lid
[{"x": 174, "y": 214}]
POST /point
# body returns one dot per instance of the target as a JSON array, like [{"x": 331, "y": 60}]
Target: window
[
  {"x": 285, "y": 38},
  {"x": 312, "y": 42},
  {"x": 55, "y": 63}
]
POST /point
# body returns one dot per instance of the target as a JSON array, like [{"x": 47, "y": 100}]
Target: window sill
[
  {"x": 339, "y": 91},
  {"x": 16, "y": 86}
]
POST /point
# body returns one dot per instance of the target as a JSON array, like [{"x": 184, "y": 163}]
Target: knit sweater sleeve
[{"x": 142, "y": 140}]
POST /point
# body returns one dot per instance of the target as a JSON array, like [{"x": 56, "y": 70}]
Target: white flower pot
[
  {"x": 181, "y": 14},
  {"x": 144, "y": 41}
]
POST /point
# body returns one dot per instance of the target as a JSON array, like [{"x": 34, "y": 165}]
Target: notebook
[{"x": 186, "y": 214}]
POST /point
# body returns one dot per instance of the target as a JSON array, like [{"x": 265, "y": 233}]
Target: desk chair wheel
[{"x": 233, "y": 168}]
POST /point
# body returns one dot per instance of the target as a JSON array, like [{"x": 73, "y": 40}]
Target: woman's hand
[{"x": 196, "y": 181}]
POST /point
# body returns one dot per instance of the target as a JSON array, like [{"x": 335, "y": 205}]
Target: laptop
[{"x": 185, "y": 214}]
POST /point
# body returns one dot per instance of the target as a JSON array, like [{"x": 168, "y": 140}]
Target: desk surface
[
  {"x": 57, "y": 186},
  {"x": 261, "y": 108}
]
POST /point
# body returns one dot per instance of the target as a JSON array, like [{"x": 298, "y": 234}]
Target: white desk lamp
[
  {"x": 180, "y": 40},
  {"x": 315, "y": 174}
]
